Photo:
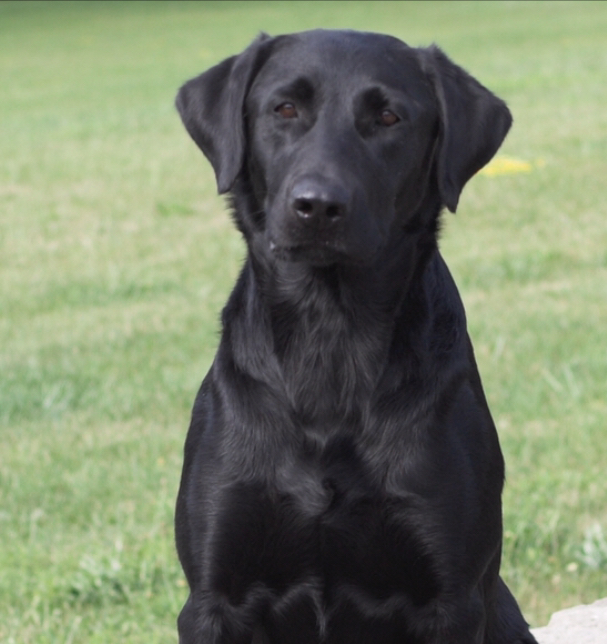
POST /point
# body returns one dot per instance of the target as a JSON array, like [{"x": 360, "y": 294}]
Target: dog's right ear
[
  {"x": 211, "y": 108},
  {"x": 473, "y": 123}
]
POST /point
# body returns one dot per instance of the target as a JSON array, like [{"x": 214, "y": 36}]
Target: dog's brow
[
  {"x": 375, "y": 97},
  {"x": 300, "y": 89}
]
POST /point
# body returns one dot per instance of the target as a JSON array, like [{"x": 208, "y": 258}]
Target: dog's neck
[
  {"x": 328, "y": 332},
  {"x": 330, "y": 338}
]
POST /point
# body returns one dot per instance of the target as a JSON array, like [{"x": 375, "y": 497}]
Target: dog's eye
[
  {"x": 286, "y": 110},
  {"x": 388, "y": 118}
]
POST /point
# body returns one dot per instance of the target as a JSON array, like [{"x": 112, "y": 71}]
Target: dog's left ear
[
  {"x": 473, "y": 124},
  {"x": 211, "y": 108}
]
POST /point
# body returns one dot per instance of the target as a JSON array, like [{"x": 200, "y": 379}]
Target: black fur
[{"x": 342, "y": 474}]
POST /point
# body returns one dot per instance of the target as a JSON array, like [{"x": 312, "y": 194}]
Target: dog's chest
[{"x": 325, "y": 524}]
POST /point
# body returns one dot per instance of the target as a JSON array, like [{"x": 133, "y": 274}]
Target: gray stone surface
[{"x": 579, "y": 625}]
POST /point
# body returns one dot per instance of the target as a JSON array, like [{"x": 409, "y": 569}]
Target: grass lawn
[{"x": 116, "y": 257}]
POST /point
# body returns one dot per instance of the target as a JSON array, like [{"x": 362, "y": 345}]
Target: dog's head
[{"x": 338, "y": 136}]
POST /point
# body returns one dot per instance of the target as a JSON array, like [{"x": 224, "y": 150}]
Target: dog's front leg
[
  {"x": 212, "y": 620},
  {"x": 459, "y": 622}
]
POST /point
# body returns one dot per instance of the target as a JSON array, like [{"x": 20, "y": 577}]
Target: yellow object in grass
[{"x": 506, "y": 165}]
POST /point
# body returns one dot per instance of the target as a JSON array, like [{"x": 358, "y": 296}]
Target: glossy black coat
[{"x": 342, "y": 474}]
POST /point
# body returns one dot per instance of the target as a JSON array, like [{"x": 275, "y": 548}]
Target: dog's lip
[
  {"x": 317, "y": 253},
  {"x": 317, "y": 244}
]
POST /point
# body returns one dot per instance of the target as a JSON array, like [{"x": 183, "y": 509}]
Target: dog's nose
[{"x": 319, "y": 204}]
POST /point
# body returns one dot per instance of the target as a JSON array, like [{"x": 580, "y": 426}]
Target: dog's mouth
[{"x": 317, "y": 254}]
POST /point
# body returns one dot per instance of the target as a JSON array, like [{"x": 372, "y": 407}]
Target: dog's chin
[{"x": 317, "y": 255}]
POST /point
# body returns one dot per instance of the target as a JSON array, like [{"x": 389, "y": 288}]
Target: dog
[{"x": 342, "y": 474}]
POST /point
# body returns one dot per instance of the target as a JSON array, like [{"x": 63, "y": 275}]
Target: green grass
[{"x": 116, "y": 257}]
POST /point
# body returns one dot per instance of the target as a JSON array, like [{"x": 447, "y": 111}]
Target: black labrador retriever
[{"x": 342, "y": 474}]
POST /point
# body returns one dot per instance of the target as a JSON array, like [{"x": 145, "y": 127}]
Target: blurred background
[{"x": 116, "y": 257}]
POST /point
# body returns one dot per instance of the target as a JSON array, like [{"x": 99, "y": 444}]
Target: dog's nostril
[
  {"x": 304, "y": 207},
  {"x": 310, "y": 208},
  {"x": 333, "y": 211}
]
